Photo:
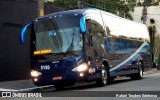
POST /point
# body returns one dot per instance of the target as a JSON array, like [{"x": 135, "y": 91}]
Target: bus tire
[
  {"x": 103, "y": 80},
  {"x": 138, "y": 75},
  {"x": 111, "y": 79}
]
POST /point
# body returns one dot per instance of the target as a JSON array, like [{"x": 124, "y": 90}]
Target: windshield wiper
[
  {"x": 71, "y": 46},
  {"x": 71, "y": 53},
  {"x": 65, "y": 53}
]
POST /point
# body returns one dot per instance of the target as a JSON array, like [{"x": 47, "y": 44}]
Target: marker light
[
  {"x": 35, "y": 73},
  {"x": 35, "y": 79},
  {"x": 81, "y": 74},
  {"x": 46, "y": 51},
  {"x": 80, "y": 68}
]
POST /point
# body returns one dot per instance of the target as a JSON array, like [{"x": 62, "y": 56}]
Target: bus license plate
[{"x": 57, "y": 77}]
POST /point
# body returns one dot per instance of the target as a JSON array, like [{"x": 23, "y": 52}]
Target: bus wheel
[
  {"x": 104, "y": 77},
  {"x": 138, "y": 75},
  {"x": 59, "y": 86}
]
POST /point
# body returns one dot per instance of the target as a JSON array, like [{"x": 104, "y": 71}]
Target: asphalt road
[
  {"x": 150, "y": 82},
  {"x": 148, "y": 87}
]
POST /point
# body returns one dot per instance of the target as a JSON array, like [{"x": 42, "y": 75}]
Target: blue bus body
[{"x": 86, "y": 45}]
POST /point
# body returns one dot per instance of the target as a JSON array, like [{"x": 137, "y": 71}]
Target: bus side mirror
[
  {"x": 82, "y": 25},
  {"x": 22, "y": 34}
]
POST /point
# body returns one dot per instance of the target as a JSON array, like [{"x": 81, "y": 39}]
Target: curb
[
  {"x": 26, "y": 89},
  {"x": 154, "y": 70},
  {"x": 36, "y": 88}
]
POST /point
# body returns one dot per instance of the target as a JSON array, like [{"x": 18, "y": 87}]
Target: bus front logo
[
  {"x": 56, "y": 66},
  {"x": 45, "y": 67}
]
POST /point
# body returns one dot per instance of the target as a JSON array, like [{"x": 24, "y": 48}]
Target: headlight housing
[
  {"x": 35, "y": 73},
  {"x": 82, "y": 67}
]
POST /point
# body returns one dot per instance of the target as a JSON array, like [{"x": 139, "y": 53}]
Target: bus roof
[
  {"x": 127, "y": 27},
  {"x": 69, "y": 12}
]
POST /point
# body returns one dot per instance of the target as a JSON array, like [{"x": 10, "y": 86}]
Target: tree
[
  {"x": 156, "y": 45},
  {"x": 152, "y": 32},
  {"x": 152, "y": 2},
  {"x": 119, "y": 7},
  {"x": 157, "y": 50}
]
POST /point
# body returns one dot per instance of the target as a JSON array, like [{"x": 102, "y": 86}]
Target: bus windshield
[{"x": 57, "y": 35}]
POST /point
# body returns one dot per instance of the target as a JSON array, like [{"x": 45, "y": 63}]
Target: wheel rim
[{"x": 104, "y": 75}]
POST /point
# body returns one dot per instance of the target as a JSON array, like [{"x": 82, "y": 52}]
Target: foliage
[
  {"x": 149, "y": 3},
  {"x": 119, "y": 7},
  {"x": 68, "y": 4},
  {"x": 157, "y": 44}
]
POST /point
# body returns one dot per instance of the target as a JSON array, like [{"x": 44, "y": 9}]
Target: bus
[{"x": 85, "y": 45}]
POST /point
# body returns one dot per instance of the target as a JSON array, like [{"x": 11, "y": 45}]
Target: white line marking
[
  {"x": 2, "y": 89},
  {"x": 27, "y": 89}
]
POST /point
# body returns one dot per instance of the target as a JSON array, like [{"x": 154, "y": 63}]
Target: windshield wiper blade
[
  {"x": 71, "y": 53},
  {"x": 59, "y": 53},
  {"x": 71, "y": 46}
]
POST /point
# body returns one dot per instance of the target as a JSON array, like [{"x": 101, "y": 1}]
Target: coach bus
[{"x": 85, "y": 45}]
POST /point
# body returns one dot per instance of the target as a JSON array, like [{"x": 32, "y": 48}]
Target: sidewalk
[
  {"x": 27, "y": 85},
  {"x": 20, "y": 85},
  {"x": 154, "y": 70}
]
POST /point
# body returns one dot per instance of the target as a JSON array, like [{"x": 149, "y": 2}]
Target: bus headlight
[
  {"x": 81, "y": 68},
  {"x": 35, "y": 73}
]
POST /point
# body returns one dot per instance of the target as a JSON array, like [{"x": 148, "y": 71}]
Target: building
[
  {"x": 153, "y": 12},
  {"x": 15, "y": 58}
]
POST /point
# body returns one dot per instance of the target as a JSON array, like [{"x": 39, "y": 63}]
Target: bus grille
[{"x": 57, "y": 71}]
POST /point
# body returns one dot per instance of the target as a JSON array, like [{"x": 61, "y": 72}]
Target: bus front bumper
[{"x": 67, "y": 79}]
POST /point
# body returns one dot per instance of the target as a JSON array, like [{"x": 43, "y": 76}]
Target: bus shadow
[{"x": 86, "y": 86}]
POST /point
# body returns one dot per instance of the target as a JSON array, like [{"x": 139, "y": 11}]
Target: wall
[
  {"x": 14, "y": 58},
  {"x": 153, "y": 13}
]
